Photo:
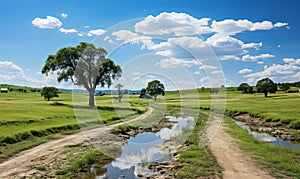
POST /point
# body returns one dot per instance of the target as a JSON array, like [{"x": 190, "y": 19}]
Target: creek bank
[
  {"x": 275, "y": 129},
  {"x": 164, "y": 146}
]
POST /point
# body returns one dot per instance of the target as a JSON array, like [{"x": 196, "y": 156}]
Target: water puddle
[
  {"x": 268, "y": 138},
  {"x": 143, "y": 149}
]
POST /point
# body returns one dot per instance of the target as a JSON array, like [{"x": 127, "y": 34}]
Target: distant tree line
[{"x": 266, "y": 86}]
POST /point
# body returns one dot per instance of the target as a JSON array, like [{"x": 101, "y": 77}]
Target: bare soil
[{"x": 23, "y": 164}]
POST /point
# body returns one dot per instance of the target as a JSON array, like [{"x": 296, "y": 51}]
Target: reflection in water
[
  {"x": 268, "y": 138},
  {"x": 142, "y": 150}
]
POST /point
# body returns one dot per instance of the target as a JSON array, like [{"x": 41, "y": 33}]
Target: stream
[
  {"x": 267, "y": 138},
  {"x": 142, "y": 149}
]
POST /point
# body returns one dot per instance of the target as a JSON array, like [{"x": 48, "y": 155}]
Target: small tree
[
  {"x": 119, "y": 87},
  {"x": 266, "y": 85},
  {"x": 143, "y": 91},
  {"x": 49, "y": 92},
  {"x": 245, "y": 88},
  {"x": 155, "y": 88},
  {"x": 285, "y": 86}
]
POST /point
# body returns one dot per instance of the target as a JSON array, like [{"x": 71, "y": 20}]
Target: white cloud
[
  {"x": 280, "y": 24},
  {"x": 68, "y": 31},
  {"x": 232, "y": 27},
  {"x": 250, "y": 58},
  {"x": 265, "y": 25},
  {"x": 64, "y": 15},
  {"x": 204, "y": 80},
  {"x": 96, "y": 32},
  {"x": 196, "y": 72},
  {"x": 8, "y": 68},
  {"x": 244, "y": 71},
  {"x": 275, "y": 70},
  {"x": 174, "y": 63},
  {"x": 80, "y": 34},
  {"x": 223, "y": 44},
  {"x": 86, "y": 27},
  {"x": 48, "y": 23},
  {"x": 130, "y": 37},
  {"x": 296, "y": 76},
  {"x": 109, "y": 40},
  {"x": 229, "y": 57},
  {"x": 292, "y": 61},
  {"x": 208, "y": 67},
  {"x": 178, "y": 24},
  {"x": 260, "y": 62},
  {"x": 252, "y": 45},
  {"x": 217, "y": 72}
]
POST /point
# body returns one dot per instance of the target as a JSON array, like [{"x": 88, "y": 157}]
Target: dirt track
[
  {"x": 18, "y": 165},
  {"x": 236, "y": 163}
]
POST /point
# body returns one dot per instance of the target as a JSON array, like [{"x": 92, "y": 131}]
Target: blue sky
[{"x": 185, "y": 44}]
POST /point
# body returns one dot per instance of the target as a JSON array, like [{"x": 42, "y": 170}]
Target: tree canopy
[
  {"x": 85, "y": 65},
  {"x": 155, "y": 88},
  {"x": 266, "y": 85},
  {"x": 49, "y": 92},
  {"x": 245, "y": 88}
]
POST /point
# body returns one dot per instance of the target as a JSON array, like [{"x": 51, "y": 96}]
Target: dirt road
[
  {"x": 19, "y": 164},
  {"x": 236, "y": 163}
]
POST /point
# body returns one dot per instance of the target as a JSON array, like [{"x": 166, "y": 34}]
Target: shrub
[{"x": 295, "y": 124}]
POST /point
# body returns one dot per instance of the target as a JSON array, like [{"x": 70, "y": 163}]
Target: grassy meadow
[{"x": 27, "y": 119}]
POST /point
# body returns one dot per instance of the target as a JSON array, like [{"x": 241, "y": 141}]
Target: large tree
[
  {"x": 155, "y": 88},
  {"x": 49, "y": 92},
  {"x": 266, "y": 85},
  {"x": 85, "y": 65}
]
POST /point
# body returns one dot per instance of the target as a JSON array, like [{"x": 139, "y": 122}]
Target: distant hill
[{"x": 20, "y": 88}]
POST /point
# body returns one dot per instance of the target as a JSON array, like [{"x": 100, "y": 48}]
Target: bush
[{"x": 295, "y": 124}]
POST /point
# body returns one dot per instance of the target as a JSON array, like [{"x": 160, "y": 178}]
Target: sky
[{"x": 184, "y": 44}]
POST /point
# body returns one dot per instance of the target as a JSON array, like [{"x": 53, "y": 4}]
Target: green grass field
[{"x": 27, "y": 119}]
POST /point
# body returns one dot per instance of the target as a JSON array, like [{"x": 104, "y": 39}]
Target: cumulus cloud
[
  {"x": 229, "y": 57},
  {"x": 174, "y": 63},
  {"x": 64, "y": 15},
  {"x": 178, "y": 24},
  {"x": 292, "y": 61},
  {"x": 233, "y": 27},
  {"x": 275, "y": 70},
  {"x": 281, "y": 24},
  {"x": 96, "y": 32},
  {"x": 250, "y": 58},
  {"x": 109, "y": 40},
  {"x": 68, "y": 31},
  {"x": 297, "y": 75},
  {"x": 130, "y": 37},
  {"x": 48, "y": 23},
  {"x": 223, "y": 44},
  {"x": 244, "y": 71}
]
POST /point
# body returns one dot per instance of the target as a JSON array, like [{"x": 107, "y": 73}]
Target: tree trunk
[
  {"x": 155, "y": 96},
  {"x": 48, "y": 99},
  {"x": 91, "y": 98},
  {"x": 266, "y": 94}
]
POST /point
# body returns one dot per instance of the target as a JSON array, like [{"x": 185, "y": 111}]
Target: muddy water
[
  {"x": 268, "y": 138},
  {"x": 143, "y": 149}
]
